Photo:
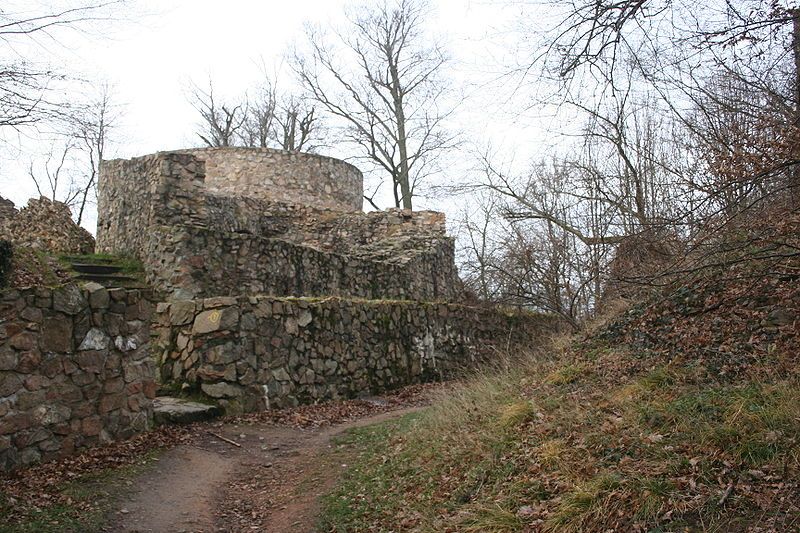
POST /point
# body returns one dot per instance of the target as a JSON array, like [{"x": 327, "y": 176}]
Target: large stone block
[
  {"x": 51, "y": 414},
  {"x": 215, "y": 320},
  {"x": 8, "y": 359},
  {"x": 69, "y": 300},
  {"x": 57, "y": 334},
  {"x": 98, "y": 295},
  {"x": 10, "y": 383},
  {"x": 91, "y": 361},
  {"x": 181, "y": 312},
  {"x": 222, "y": 390},
  {"x": 95, "y": 339}
]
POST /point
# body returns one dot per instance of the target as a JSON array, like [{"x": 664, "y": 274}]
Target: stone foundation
[
  {"x": 260, "y": 352},
  {"x": 75, "y": 370}
]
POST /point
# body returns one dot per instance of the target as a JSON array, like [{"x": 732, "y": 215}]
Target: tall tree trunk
[
  {"x": 405, "y": 186},
  {"x": 397, "y": 97}
]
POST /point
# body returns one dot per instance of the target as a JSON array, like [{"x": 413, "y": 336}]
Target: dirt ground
[{"x": 270, "y": 482}]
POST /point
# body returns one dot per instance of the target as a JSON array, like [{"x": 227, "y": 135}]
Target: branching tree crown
[{"x": 381, "y": 77}]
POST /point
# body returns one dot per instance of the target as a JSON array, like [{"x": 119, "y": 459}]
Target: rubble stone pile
[
  {"x": 44, "y": 225},
  {"x": 7, "y": 210}
]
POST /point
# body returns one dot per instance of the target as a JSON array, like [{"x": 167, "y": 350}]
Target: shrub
[{"x": 6, "y": 254}]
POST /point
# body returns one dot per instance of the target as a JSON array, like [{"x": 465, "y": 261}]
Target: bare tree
[
  {"x": 53, "y": 179},
  {"x": 297, "y": 125},
  {"x": 91, "y": 130},
  {"x": 27, "y": 90},
  {"x": 221, "y": 124},
  {"x": 263, "y": 120},
  {"x": 676, "y": 47},
  {"x": 479, "y": 247},
  {"x": 259, "y": 123},
  {"x": 68, "y": 172},
  {"x": 392, "y": 99}
]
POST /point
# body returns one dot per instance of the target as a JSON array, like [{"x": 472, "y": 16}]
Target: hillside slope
[{"x": 681, "y": 414}]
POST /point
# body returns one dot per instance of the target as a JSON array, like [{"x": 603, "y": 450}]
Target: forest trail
[{"x": 270, "y": 482}]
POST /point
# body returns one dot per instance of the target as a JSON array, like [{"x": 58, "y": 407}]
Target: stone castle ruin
[
  {"x": 278, "y": 289},
  {"x": 267, "y": 286},
  {"x": 228, "y": 221}
]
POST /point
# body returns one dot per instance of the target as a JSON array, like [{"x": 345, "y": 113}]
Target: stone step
[
  {"x": 93, "y": 268},
  {"x": 95, "y": 260},
  {"x": 170, "y": 410},
  {"x": 110, "y": 280}
]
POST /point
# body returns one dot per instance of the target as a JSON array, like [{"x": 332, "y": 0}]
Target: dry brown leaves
[
  {"x": 25, "y": 490},
  {"x": 42, "y": 485},
  {"x": 337, "y": 412},
  {"x": 744, "y": 308}
]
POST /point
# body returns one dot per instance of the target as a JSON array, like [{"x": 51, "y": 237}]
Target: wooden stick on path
[{"x": 225, "y": 439}]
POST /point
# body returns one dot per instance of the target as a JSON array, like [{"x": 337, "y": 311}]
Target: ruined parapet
[
  {"x": 170, "y": 188},
  {"x": 282, "y": 176},
  {"x": 134, "y": 195}
]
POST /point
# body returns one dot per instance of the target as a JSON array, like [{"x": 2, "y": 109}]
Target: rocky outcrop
[{"x": 45, "y": 225}]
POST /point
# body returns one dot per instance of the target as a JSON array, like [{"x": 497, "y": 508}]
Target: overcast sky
[{"x": 151, "y": 56}]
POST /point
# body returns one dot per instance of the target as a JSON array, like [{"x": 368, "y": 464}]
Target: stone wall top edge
[
  {"x": 239, "y": 149},
  {"x": 233, "y": 235},
  {"x": 244, "y": 149},
  {"x": 14, "y": 292},
  {"x": 416, "y": 213},
  {"x": 306, "y": 302}
]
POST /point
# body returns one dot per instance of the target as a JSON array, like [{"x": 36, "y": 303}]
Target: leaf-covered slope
[{"x": 683, "y": 414}]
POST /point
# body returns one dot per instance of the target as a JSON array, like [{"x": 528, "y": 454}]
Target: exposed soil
[{"x": 271, "y": 482}]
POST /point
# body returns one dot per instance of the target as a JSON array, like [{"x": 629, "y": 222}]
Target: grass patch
[
  {"x": 368, "y": 488},
  {"x": 128, "y": 265},
  {"x": 592, "y": 441},
  {"x": 567, "y": 374},
  {"x": 514, "y": 414}
]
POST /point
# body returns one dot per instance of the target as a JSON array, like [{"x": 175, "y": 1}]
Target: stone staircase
[
  {"x": 111, "y": 273},
  {"x": 106, "y": 272}
]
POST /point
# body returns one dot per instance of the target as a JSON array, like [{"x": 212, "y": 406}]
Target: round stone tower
[{"x": 279, "y": 175}]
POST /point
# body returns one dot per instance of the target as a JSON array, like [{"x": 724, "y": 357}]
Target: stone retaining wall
[
  {"x": 260, "y": 352},
  {"x": 75, "y": 370}
]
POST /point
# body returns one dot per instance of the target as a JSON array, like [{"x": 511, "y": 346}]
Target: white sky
[{"x": 150, "y": 58}]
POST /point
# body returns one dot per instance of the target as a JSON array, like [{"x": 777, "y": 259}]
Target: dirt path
[{"x": 270, "y": 483}]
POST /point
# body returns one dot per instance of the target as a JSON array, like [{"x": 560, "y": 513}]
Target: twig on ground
[
  {"x": 726, "y": 494},
  {"x": 225, "y": 439}
]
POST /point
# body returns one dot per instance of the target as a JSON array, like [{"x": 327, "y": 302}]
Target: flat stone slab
[{"x": 169, "y": 410}]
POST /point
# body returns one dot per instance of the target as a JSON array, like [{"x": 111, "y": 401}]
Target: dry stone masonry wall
[
  {"x": 75, "y": 370},
  {"x": 199, "y": 262},
  {"x": 256, "y": 352}
]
